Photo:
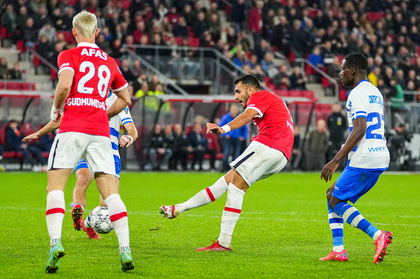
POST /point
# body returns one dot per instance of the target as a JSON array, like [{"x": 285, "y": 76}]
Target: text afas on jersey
[{"x": 95, "y": 52}]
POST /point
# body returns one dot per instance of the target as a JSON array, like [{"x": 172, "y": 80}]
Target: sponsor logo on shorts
[{"x": 378, "y": 149}]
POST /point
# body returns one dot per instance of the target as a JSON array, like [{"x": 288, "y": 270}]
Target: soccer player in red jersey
[
  {"x": 86, "y": 74},
  {"x": 267, "y": 154}
]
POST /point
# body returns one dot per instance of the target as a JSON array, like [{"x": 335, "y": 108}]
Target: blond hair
[{"x": 85, "y": 24}]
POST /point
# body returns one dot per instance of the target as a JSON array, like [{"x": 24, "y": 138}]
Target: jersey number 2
[
  {"x": 369, "y": 131},
  {"x": 104, "y": 75}
]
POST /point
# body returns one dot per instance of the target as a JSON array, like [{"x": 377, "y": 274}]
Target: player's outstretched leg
[
  {"x": 203, "y": 197},
  {"x": 118, "y": 216},
  {"x": 56, "y": 253},
  {"x": 54, "y": 217},
  {"x": 89, "y": 230},
  {"x": 353, "y": 217},
  {"x": 231, "y": 213},
  {"x": 338, "y": 252}
]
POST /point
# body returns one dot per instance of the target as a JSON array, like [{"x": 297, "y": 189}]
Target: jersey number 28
[{"x": 104, "y": 75}]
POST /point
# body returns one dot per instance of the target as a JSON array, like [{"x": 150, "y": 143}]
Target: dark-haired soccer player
[
  {"x": 368, "y": 157},
  {"x": 267, "y": 154}
]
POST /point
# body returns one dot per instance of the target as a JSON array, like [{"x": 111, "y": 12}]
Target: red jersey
[
  {"x": 274, "y": 122},
  {"x": 94, "y": 74}
]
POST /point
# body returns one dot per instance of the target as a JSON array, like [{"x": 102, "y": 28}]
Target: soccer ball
[{"x": 98, "y": 219}]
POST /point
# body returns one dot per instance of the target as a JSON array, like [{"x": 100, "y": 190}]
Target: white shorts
[
  {"x": 67, "y": 149},
  {"x": 258, "y": 161}
]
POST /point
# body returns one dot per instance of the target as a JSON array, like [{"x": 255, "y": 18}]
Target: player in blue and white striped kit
[
  {"x": 368, "y": 157},
  {"x": 83, "y": 174}
]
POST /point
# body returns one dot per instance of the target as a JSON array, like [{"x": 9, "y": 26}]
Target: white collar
[{"x": 83, "y": 44}]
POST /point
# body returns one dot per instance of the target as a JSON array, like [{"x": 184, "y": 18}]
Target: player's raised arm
[
  {"x": 51, "y": 126},
  {"x": 241, "y": 120}
]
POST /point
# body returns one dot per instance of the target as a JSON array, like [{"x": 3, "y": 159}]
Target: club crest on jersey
[{"x": 96, "y": 52}]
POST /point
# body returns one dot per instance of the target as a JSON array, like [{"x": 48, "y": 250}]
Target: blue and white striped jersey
[
  {"x": 114, "y": 123},
  {"x": 365, "y": 100}
]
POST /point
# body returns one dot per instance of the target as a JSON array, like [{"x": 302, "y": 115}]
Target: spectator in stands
[
  {"x": 188, "y": 15},
  {"x": 316, "y": 147},
  {"x": 44, "y": 47},
  {"x": 296, "y": 155},
  {"x": 233, "y": 140},
  {"x": 154, "y": 82},
  {"x": 316, "y": 58},
  {"x": 261, "y": 49},
  {"x": 253, "y": 61},
  {"x": 281, "y": 35},
  {"x": 57, "y": 49},
  {"x": 268, "y": 66},
  {"x": 354, "y": 43},
  {"x": 103, "y": 44},
  {"x": 15, "y": 73},
  {"x": 49, "y": 31},
  {"x": 14, "y": 137},
  {"x": 237, "y": 15},
  {"x": 337, "y": 126},
  {"x": 180, "y": 29},
  {"x": 411, "y": 86},
  {"x": 156, "y": 146},
  {"x": 173, "y": 15},
  {"x": 255, "y": 21},
  {"x": 241, "y": 59},
  {"x": 57, "y": 19},
  {"x": 258, "y": 72},
  {"x": 281, "y": 80},
  {"x": 68, "y": 19},
  {"x": 28, "y": 33},
  {"x": 214, "y": 27},
  {"x": 10, "y": 19},
  {"x": 298, "y": 79},
  {"x": 181, "y": 149},
  {"x": 199, "y": 144},
  {"x": 41, "y": 18},
  {"x": 327, "y": 53},
  {"x": 396, "y": 98},
  {"x": 125, "y": 70},
  {"x": 299, "y": 39},
  {"x": 143, "y": 90},
  {"x": 4, "y": 70},
  {"x": 200, "y": 25},
  {"x": 136, "y": 69},
  {"x": 22, "y": 17},
  {"x": 374, "y": 76},
  {"x": 243, "y": 40},
  {"x": 401, "y": 79}
]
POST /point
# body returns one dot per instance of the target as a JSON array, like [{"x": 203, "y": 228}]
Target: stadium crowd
[{"x": 323, "y": 31}]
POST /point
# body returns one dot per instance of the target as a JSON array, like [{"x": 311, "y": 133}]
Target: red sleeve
[
  {"x": 119, "y": 82},
  {"x": 260, "y": 103},
  {"x": 65, "y": 62}
]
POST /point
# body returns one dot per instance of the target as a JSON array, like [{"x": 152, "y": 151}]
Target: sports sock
[
  {"x": 205, "y": 196},
  {"x": 353, "y": 217},
  {"x": 336, "y": 226},
  {"x": 231, "y": 213},
  {"x": 118, "y": 216},
  {"x": 55, "y": 215}
]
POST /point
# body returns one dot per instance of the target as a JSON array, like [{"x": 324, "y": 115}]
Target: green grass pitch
[{"x": 282, "y": 232}]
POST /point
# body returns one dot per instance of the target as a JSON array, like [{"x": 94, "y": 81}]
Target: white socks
[
  {"x": 231, "y": 213},
  {"x": 205, "y": 196},
  {"x": 118, "y": 216},
  {"x": 55, "y": 215}
]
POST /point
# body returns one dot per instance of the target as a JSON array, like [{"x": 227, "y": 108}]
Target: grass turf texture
[{"x": 282, "y": 232}]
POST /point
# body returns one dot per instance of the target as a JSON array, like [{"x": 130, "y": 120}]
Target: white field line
[{"x": 323, "y": 220}]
